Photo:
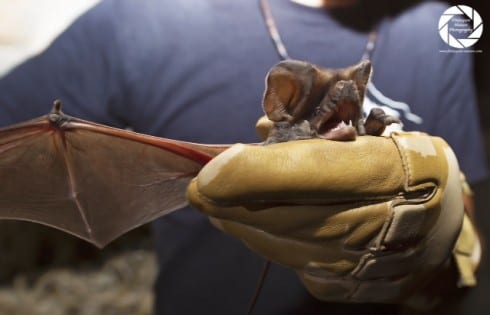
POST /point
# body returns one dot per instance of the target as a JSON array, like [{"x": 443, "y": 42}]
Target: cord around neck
[{"x": 281, "y": 48}]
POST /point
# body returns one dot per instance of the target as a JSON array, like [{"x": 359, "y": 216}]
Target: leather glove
[{"x": 369, "y": 220}]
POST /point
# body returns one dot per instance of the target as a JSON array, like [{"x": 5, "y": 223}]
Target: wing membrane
[{"x": 90, "y": 180}]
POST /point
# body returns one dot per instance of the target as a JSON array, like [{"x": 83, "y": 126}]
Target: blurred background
[{"x": 44, "y": 271}]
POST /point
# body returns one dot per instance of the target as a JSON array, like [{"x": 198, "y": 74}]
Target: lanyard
[{"x": 281, "y": 48}]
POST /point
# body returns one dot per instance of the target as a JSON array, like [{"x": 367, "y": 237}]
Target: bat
[
  {"x": 98, "y": 182},
  {"x": 306, "y": 101}
]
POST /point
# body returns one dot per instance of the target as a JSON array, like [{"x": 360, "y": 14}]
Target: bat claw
[
  {"x": 56, "y": 115},
  {"x": 56, "y": 107},
  {"x": 377, "y": 121}
]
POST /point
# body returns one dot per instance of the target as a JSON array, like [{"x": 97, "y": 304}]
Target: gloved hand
[{"x": 369, "y": 220}]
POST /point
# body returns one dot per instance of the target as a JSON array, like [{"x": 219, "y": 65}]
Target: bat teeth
[
  {"x": 340, "y": 126},
  {"x": 345, "y": 123}
]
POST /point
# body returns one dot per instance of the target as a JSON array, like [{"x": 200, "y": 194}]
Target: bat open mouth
[
  {"x": 340, "y": 123},
  {"x": 305, "y": 101}
]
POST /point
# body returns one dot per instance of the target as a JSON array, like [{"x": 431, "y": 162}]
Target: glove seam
[
  {"x": 405, "y": 161},
  {"x": 378, "y": 246}
]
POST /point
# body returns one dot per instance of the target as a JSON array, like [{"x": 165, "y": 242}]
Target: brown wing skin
[{"x": 90, "y": 180}]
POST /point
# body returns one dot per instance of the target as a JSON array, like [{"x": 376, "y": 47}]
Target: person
[{"x": 194, "y": 71}]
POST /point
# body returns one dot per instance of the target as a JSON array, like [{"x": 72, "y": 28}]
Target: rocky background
[{"x": 47, "y": 272}]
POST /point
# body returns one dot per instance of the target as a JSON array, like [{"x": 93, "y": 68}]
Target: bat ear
[
  {"x": 288, "y": 90},
  {"x": 361, "y": 72}
]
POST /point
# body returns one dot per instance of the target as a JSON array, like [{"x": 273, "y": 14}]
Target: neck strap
[{"x": 281, "y": 48}]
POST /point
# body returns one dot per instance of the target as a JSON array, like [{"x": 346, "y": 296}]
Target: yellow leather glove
[{"x": 369, "y": 220}]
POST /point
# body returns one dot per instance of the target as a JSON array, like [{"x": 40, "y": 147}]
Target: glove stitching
[
  {"x": 354, "y": 290},
  {"x": 384, "y": 230},
  {"x": 373, "y": 251},
  {"x": 405, "y": 161},
  {"x": 376, "y": 250}
]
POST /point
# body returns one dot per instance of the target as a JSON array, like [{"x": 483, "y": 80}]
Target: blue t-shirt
[{"x": 194, "y": 70}]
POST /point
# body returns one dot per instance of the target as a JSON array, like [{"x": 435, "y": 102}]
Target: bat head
[
  {"x": 339, "y": 114},
  {"x": 329, "y": 99}
]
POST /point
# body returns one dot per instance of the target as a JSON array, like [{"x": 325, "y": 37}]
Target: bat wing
[{"x": 90, "y": 180}]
